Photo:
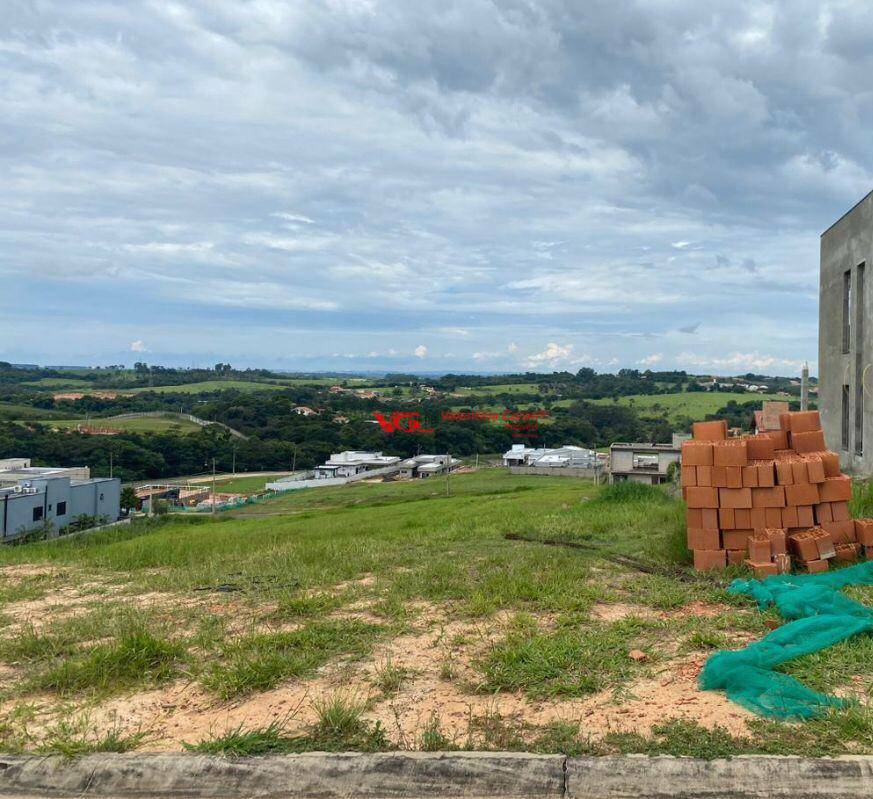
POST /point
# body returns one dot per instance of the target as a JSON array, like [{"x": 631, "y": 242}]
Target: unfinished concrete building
[{"x": 845, "y": 337}]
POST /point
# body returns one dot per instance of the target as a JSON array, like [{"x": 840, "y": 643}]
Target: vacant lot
[
  {"x": 389, "y": 615},
  {"x": 145, "y": 424}
]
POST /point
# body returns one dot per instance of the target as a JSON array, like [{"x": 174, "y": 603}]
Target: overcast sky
[{"x": 386, "y": 184}]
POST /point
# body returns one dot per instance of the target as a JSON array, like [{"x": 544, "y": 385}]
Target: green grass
[
  {"x": 681, "y": 405},
  {"x": 246, "y": 485},
  {"x": 261, "y": 661},
  {"x": 60, "y": 383},
  {"x": 207, "y": 386},
  {"x": 145, "y": 424},
  {"x": 9, "y": 410},
  {"x": 502, "y": 388}
]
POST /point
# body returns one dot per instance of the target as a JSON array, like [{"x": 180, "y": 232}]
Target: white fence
[{"x": 294, "y": 485}]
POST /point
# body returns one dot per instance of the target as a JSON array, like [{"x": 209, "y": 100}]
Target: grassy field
[
  {"x": 245, "y": 485},
  {"x": 695, "y": 405},
  {"x": 503, "y": 388},
  {"x": 146, "y": 424},
  {"x": 60, "y": 383},
  {"x": 207, "y": 386},
  {"x": 379, "y": 616},
  {"x": 9, "y": 410}
]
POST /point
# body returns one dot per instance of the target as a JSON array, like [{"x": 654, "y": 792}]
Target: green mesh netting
[{"x": 822, "y": 615}]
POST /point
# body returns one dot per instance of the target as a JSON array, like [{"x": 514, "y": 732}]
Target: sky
[{"x": 464, "y": 185}]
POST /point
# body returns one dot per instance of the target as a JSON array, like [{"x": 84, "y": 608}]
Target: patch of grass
[
  {"x": 561, "y": 737},
  {"x": 569, "y": 661},
  {"x": 136, "y": 657},
  {"x": 390, "y": 677},
  {"x": 680, "y": 738},
  {"x": 73, "y": 738},
  {"x": 260, "y": 662},
  {"x": 432, "y": 737},
  {"x": 307, "y": 606},
  {"x": 247, "y": 742}
]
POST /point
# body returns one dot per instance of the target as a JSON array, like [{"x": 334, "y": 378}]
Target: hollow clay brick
[
  {"x": 813, "y": 441},
  {"x": 831, "y": 463},
  {"x": 836, "y": 489},
  {"x": 762, "y": 570},
  {"x": 758, "y": 518},
  {"x": 815, "y": 468},
  {"x": 689, "y": 475},
  {"x": 750, "y": 476},
  {"x": 824, "y": 543},
  {"x": 698, "y": 497},
  {"x": 778, "y": 540},
  {"x": 704, "y": 475},
  {"x": 726, "y": 521},
  {"x": 760, "y": 448},
  {"x": 735, "y": 557},
  {"x": 840, "y": 532},
  {"x": 773, "y": 517},
  {"x": 705, "y": 559},
  {"x": 803, "y": 545},
  {"x": 864, "y": 532},
  {"x": 785, "y": 421},
  {"x": 816, "y": 566},
  {"x": 736, "y": 539},
  {"x": 804, "y": 421},
  {"x": 693, "y": 517},
  {"x": 719, "y": 476},
  {"x": 790, "y": 517},
  {"x": 736, "y": 497},
  {"x": 766, "y": 475},
  {"x": 730, "y": 453},
  {"x": 703, "y": 539},
  {"x": 847, "y": 552},
  {"x": 840, "y": 511},
  {"x": 779, "y": 438},
  {"x": 805, "y": 516},
  {"x": 784, "y": 473},
  {"x": 823, "y": 512},
  {"x": 743, "y": 518},
  {"x": 767, "y": 497},
  {"x": 798, "y": 468},
  {"x": 801, "y": 494},
  {"x": 759, "y": 548},
  {"x": 710, "y": 431},
  {"x": 697, "y": 453},
  {"x": 734, "y": 476}
]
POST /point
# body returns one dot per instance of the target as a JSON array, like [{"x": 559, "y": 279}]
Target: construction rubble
[{"x": 772, "y": 501}]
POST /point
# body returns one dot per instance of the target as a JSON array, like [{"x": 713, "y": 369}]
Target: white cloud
[
  {"x": 138, "y": 346},
  {"x": 420, "y": 351},
  {"x": 553, "y": 355},
  {"x": 740, "y": 362},
  {"x": 512, "y": 347},
  {"x": 651, "y": 360}
]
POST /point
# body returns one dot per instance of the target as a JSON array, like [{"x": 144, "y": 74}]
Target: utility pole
[
  {"x": 111, "y": 464},
  {"x": 294, "y": 461},
  {"x": 213, "y": 486},
  {"x": 448, "y": 471},
  {"x": 477, "y": 460},
  {"x": 804, "y": 388},
  {"x": 234, "y": 459}
]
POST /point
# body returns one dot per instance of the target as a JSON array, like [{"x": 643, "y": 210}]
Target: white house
[
  {"x": 559, "y": 457},
  {"x": 427, "y": 465},
  {"x": 352, "y": 462}
]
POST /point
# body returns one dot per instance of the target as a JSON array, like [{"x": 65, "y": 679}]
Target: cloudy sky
[{"x": 485, "y": 185}]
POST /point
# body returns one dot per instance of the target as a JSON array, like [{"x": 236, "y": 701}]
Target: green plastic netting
[{"x": 822, "y": 616}]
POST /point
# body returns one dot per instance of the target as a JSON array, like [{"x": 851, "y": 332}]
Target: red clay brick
[
  {"x": 824, "y": 542},
  {"x": 798, "y": 468},
  {"x": 693, "y": 517},
  {"x": 784, "y": 473},
  {"x": 778, "y": 540},
  {"x": 697, "y": 453},
  {"x": 759, "y": 548},
  {"x": 726, "y": 521},
  {"x": 758, "y": 518},
  {"x": 773, "y": 516},
  {"x": 868, "y": 553},
  {"x": 785, "y": 421},
  {"x": 761, "y": 570},
  {"x": 802, "y": 494},
  {"x": 736, "y": 539},
  {"x": 689, "y": 475},
  {"x": 734, "y": 476},
  {"x": 816, "y": 566},
  {"x": 730, "y": 453},
  {"x": 719, "y": 476},
  {"x": 803, "y": 545},
  {"x": 779, "y": 438},
  {"x": 705, "y": 559},
  {"x": 815, "y": 468},
  {"x": 836, "y": 489},
  {"x": 831, "y": 463},
  {"x": 703, "y": 539},
  {"x": 760, "y": 448},
  {"x": 805, "y": 516},
  {"x": 813, "y": 441},
  {"x": 864, "y": 531},
  {"x": 750, "y": 476},
  {"x": 709, "y": 518},
  {"x": 737, "y": 497},
  {"x": 847, "y": 552},
  {"x": 823, "y": 512},
  {"x": 766, "y": 475},
  {"x": 699, "y": 497},
  {"x": 840, "y": 511},
  {"x": 735, "y": 557},
  {"x": 804, "y": 421},
  {"x": 840, "y": 532},
  {"x": 710, "y": 431},
  {"x": 704, "y": 475},
  {"x": 767, "y": 497},
  {"x": 743, "y": 518},
  {"x": 790, "y": 517}
]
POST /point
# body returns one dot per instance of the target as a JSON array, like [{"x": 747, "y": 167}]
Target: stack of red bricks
[{"x": 770, "y": 501}]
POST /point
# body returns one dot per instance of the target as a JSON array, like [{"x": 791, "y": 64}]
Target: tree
[{"x": 129, "y": 499}]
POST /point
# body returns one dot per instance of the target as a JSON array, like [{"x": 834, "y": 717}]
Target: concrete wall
[
  {"x": 557, "y": 471},
  {"x": 16, "y": 513},
  {"x": 845, "y": 245}
]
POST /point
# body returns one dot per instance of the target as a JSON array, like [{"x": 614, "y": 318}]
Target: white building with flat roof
[{"x": 352, "y": 462}]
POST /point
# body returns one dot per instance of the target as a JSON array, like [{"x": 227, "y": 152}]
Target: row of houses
[
  {"x": 354, "y": 462},
  {"x": 33, "y": 497}
]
